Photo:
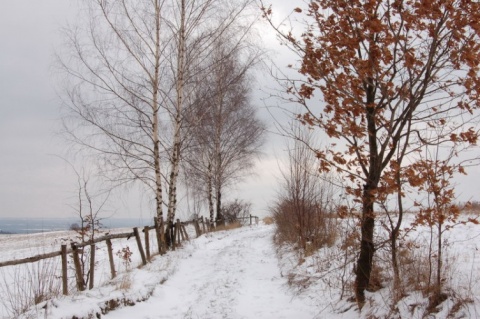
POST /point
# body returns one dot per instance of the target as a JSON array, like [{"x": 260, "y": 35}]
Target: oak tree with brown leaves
[{"x": 372, "y": 75}]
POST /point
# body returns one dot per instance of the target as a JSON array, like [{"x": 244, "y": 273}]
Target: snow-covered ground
[{"x": 240, "y": 274}]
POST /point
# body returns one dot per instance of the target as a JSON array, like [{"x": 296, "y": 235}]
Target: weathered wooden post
[
  {"x": 197, "y": 227},
  {"x": 185, "y": 232},
  {"x": 250, "y": 219},
  {"x": 139, "y": 244},
  {"x": 180, "y": 230},
  {"x": 110, "y": 258},
  {"x": 78, "y": 268},
  {"x": 170, "y": 234},
  {"x": 64, "y": 270},
  {"x": 177, "y": 232},
  {"x": 147, "y": 242},
  {"x": 174, "y": 236},
  {"x": 204, "y": 226},
  {"x": 92, "y": 267}
]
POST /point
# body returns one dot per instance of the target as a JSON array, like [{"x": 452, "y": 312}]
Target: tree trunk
[
  {"x": 156, "y": 138},
  {"x": 367, "y": 249},
  {"x": 397, "y": 287},
  {"x": 396, "y": 271},
  {"x": 179, "y": 87},
  {"x": 175, "y": 166},
  {"x": 438, "y": 288},
  {"x": 365, "y": 259},
  {"x": 220, "y": 217},
  {"x": 210, "y": 196}
]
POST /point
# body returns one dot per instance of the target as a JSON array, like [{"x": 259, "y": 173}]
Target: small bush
[
  {"x": 75, "y": 227},
  {"x": 304, "y": 224},
  {"x": 237, "y": 210},
  {"x": 28, "y": 285},
  {"x": 229, "y": 226},
  {"x": 268, "y": 220}
]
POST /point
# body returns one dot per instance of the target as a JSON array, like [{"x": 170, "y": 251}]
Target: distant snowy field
[{"x": 239, "y": 274}]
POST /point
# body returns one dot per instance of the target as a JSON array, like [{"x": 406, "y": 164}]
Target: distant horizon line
[{"x": 32, "y": 217}]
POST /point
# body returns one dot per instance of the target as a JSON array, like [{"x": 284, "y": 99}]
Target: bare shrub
[
  {"x": 303, "y": 212},
  {"x": 470, "y": 208},
  {"x": 26, "y": 285},
  {"x": 268, "y": 220},
  {"x": 237, "y": 210},
  {"x": 303, "y": 223},
  {"x": 228, "y": 226}
]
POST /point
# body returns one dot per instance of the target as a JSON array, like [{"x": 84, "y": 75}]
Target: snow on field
[{"x": 239, "y": 274}]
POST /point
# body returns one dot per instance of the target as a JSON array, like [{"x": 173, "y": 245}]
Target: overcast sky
[
  {"x": 36, "y": 183},
  {"x": 32, "y": 181}
]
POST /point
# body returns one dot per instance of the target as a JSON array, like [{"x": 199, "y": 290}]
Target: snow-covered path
[{"x": 229, "y": 275}]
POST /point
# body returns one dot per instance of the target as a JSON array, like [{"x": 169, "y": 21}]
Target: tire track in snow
[{"x": 229, "y": 275}]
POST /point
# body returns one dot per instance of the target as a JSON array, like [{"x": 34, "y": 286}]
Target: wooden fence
[{"x": 176, "y": 233}]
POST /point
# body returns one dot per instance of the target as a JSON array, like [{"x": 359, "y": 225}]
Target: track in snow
[{"x": 229, "y": 275}]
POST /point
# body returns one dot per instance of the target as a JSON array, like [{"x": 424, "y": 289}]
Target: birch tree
[
  {"x": 127, "y": 74},
  {"x": 226, "y": 131},
  {"x": 199, "y": 27},
  {"x": 112, "y": 68}
]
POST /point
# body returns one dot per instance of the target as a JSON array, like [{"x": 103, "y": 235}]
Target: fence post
[
  {"x": 185, "y": 232},
  {"x": 174, "y": 235},
  {"x": 139, "y": 244},
  {"x": 197, "y": 227},
  {"x": 78, "y": 268},
  {"x": 64, "y": 270},
  {"x": 250, "y": 219},
  {"x": 203, "y": 225},
  {"x": 92, "y": 267},
  {"x": 180, "y": 230},
  {"x": 147, "y": 242},
  {"x": 110, "y": 258},
  {"x": 170, "y": 234}
]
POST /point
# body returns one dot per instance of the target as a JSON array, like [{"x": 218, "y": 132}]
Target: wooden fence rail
[
  {"x": 30, "y": 259},
  {"x": 179, "y": 234},
  {"x": 176, "y": 233}
]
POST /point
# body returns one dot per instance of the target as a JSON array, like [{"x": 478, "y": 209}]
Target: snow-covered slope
[
  {"x": 228, "y": 275},
  {"x": 235, "y": 274}
]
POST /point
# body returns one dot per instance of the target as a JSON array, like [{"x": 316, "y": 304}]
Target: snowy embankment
[
  {"x": 238, "y": 274},
  {"x": 227, "y": 274}
]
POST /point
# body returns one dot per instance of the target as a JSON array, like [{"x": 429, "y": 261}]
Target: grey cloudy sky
[
  {"x": 34, "y": 182},
  {"x": 31, "y": 180}
]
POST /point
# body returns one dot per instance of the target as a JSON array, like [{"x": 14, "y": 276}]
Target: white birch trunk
[
  {"x": 155, "y": 123},
  {"x": 175, "y": 160}
]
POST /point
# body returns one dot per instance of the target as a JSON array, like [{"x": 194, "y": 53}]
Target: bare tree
[
  {"x": 113, "y": 71},
  {"x": 128, "y": 75},
  {"x": 90, "y": 208},
  {"x": 197, "y": 27},
  {"x": 304, "y": 210},
  {"x": 226, "y": 131}
]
